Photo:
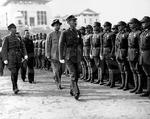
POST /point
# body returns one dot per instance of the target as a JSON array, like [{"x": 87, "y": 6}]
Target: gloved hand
[
  {"x": 6, "y": 62},
  {"x": 62, "y": 61},
  {"x": 25, "y": 57}
]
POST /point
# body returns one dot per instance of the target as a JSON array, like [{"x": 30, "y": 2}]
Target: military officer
[
  {"x": 121, "y": 48},
  {"x": 13, "y": 50},
  {"x": 133, "y": 54},
  {"x": 1, "y": 61},
  {"x": 52, "y": 52},
  {"x": 29, "y": 64},
  {"x": 96, "y": 48},
  {"x": 71, "y": 38},
  {"x": 86, "y": 53},
  {"x": 145, "y": 51},
  {"x": 108, "y": 52}
]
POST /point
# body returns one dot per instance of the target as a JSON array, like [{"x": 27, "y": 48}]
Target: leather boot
[
  {"x": 122, "y": 81},
  {"x": 135, "y": 83},
  {"x": 139, "y": 89},
  {"x": 112, "y": 80}
]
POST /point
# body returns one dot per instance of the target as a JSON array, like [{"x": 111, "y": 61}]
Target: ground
[{"x": 43, "y": 101}]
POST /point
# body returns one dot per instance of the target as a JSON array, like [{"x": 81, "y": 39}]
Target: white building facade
[{"x": 28, "y": 13}]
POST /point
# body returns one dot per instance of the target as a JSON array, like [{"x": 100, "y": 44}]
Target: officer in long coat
[
  {"x": 29, "y": 64},
  {"x": 133, "y": 54},
  {"x": 108, "y": 52},
  {"x": 145, "y": 51},
  {"x": 13, "y": 50},
  {"x": 121, "y": 49},
  {"x": 52, "y": 51},
  {"x": 71, "y": 39}
]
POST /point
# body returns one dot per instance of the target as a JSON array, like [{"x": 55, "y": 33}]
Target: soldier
[
  {"x": 71, "y": 38},
  {"x": 36, "y": 51},
  {"x": 133, "y": 54},
  {"x": 96, "y": 48},
  {"x": 1, "y": 61},
  {"x": 86, "y": 53},
  {"x": 83, "y": 63},
  {"x": 13, "y": 54},
  {"x": 52, "y": 52},
  {"x": 43, "y": 52},
  {"x": 145, "y": 51},
  {"x": 121, "y": 45},
  {"x": 29, "y": 64},
  {"x": 115, "y": 29},
  {"x": 108, "y": 52}
]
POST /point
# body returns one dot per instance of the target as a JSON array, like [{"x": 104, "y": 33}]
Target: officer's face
[
  {"x": 132, "y": 26},
  {"x": 145, "y": 25},
  {"x": 73, "y": 23},
  {"x": 57, "y": 27},
  {"x": 88, "y": 30},
  {"x": 82, "y": 31},
  {"x": 13, "y": 30}
]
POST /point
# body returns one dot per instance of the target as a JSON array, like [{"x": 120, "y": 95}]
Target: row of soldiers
[{"x": 123, "y": 49}]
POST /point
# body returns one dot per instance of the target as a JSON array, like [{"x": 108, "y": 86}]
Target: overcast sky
[{"x": 110, "y": 10}]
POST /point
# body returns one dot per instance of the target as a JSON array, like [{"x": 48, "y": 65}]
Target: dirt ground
[{"x": 43, "y": 101}]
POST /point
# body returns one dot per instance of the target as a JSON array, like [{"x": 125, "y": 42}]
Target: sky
[{"x": 109, "y": 10}]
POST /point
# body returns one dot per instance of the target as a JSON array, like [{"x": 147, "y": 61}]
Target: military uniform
[
  {"x": 133, "y": 56},
  {"x": 43, "y": 53},
  {"x": 13, "y": 50},
  {"x": 108, "y": 53},
  {"x": 145, "y": 52},
  {"x": 96, "y": 46},
  {"x": 36, "y": 52},
  {"x": 86, "y": 54},
  {"x": 52, "y": 53},
  {"x": 71, "y": 38},
  {"x": 121, "y": 45},
  {"x": 29, "y": 64}
]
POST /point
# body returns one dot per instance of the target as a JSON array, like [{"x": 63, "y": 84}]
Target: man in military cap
[
  {"x": 86, "y": 53},
  {"x": 1, "y": 61},
  {"x": 29, "y": 64},
  {"x": 96, "y": 50},
  {"x": 71, "y": 39},
  {"x": 52, "y": 52},
  {"x": 121, "y": 49},
  {"x": 145, "y": 51},
  {"x": 13, "y": 54},
  {"x": 108, "y": 52},
  {"x": 133, "y": 54}
]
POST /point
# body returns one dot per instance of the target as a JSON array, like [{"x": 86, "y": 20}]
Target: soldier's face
[
  {"x": 107, "y": 28},
  {"x": 88, "y": 30},
  {"x": 96, "y": 28},
  {"x": 132, "y": 26},
  {"x": 27, "y": 34},
  {"x": 73, "y": 23},
  {"x": 121, "y": 27},
  {"x": 145, "y": 25},
  {"x": 57, "y": 27}
]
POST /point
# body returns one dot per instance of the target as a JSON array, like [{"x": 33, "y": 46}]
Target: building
[
  {"x": 28, "y": 13},
  {"x": 86, "y": 17}
]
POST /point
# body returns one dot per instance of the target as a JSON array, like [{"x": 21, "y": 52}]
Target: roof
[
  {"x": 26, "y": 1},
  {"x": 87, "y": 12}
]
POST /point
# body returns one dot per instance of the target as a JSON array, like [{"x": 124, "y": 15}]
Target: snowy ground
[{"x": 43, "y": 101}]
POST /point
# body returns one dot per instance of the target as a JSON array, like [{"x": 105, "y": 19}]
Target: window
[
  {"x": 32, "y": 21},
  {"x": 19, "y": 22},
  {"x": 41, "y": 18},
  {"x": 85, "y": 20},
  {"x": 25, "y": 17}
]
